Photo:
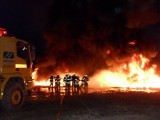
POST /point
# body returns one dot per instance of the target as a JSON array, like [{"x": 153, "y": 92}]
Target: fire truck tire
[{"x": 13, "y": 97}]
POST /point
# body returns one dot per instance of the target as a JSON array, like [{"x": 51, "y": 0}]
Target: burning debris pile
[{"x": 105, "y": 40}]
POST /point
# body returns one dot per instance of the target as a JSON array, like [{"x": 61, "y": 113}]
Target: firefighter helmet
[{"x": 86, "y": 75}]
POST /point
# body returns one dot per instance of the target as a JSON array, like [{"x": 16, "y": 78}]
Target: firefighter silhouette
[
  {"x": 73, "y": 80},
  {"x": 51, "y": 81},
  {"x": 84, "y": 83},
  {"x": 57, "y": 83},
  {"x": 76, "y": 84},
  {"x": 67, "y": 80},
  {"x": 85, "y": 80}
]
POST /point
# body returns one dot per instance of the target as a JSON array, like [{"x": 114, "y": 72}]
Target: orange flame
[
  {"x": 46, "y": 81},
  {"x": 135, "y": 74}
]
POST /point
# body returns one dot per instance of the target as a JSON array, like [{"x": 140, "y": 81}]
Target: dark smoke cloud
[
  {"x": 80, "y": 32},
  {"x": 25, "y": 19},
  {"x": 142, "y": 13}
]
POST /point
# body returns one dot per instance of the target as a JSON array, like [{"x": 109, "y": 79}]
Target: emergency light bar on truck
[{"x": 3, "y": 32}]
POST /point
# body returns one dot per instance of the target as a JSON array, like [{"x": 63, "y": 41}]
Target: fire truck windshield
[{"x": 23, "y": 52}]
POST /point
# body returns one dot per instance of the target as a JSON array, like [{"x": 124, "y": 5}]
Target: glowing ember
[
  {"x": 108, "y": 52},
  {"x": 132, "y": 43}
]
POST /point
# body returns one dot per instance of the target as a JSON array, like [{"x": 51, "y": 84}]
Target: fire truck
[{"x": 16, "y": 62}]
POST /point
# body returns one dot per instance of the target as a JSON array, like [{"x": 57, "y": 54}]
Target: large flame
[
  {"x": 136, "y": 73},
  {"x": 46, "y": 81}
]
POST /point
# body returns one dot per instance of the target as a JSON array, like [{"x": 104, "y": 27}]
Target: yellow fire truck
[{"x": 16, "y": 58}]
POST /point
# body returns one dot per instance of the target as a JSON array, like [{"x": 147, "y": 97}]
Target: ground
[{"x": 90, "y": 106}]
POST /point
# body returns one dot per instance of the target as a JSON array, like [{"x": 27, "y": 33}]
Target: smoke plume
[{"x": 84, "y": 36}]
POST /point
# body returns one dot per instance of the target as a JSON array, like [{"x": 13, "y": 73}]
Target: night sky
[
  {"x": 75, "y": 34},
  {"x": 25, "y": 19}
]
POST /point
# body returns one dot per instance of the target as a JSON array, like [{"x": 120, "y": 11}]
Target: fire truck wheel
[{"x": 13, "y": 98}]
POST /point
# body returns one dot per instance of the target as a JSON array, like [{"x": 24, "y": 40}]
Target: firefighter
[
  {"x": 84, "y": 84},
  {"x": 67, "y": 80},
  {"x": 57, "y": 83},
  {"x": 76, "y": 83},
  {"x": 84, "y": 80},
  {"x": 51, "y": 81},
  {"x": 73, "y": 80}
]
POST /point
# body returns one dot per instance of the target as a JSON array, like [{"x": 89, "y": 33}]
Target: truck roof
[{"x": 13, "y": 38}]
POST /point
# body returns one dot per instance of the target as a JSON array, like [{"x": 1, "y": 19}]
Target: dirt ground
[{"x": 91, "y": 106}]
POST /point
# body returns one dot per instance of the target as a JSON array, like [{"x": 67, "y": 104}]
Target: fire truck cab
[{"x": 16, "y": 61}]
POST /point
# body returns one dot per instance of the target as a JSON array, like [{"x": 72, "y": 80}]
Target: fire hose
[
  {"x": 61, "y": 103},
  {"x": 60, "y": 108}
]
